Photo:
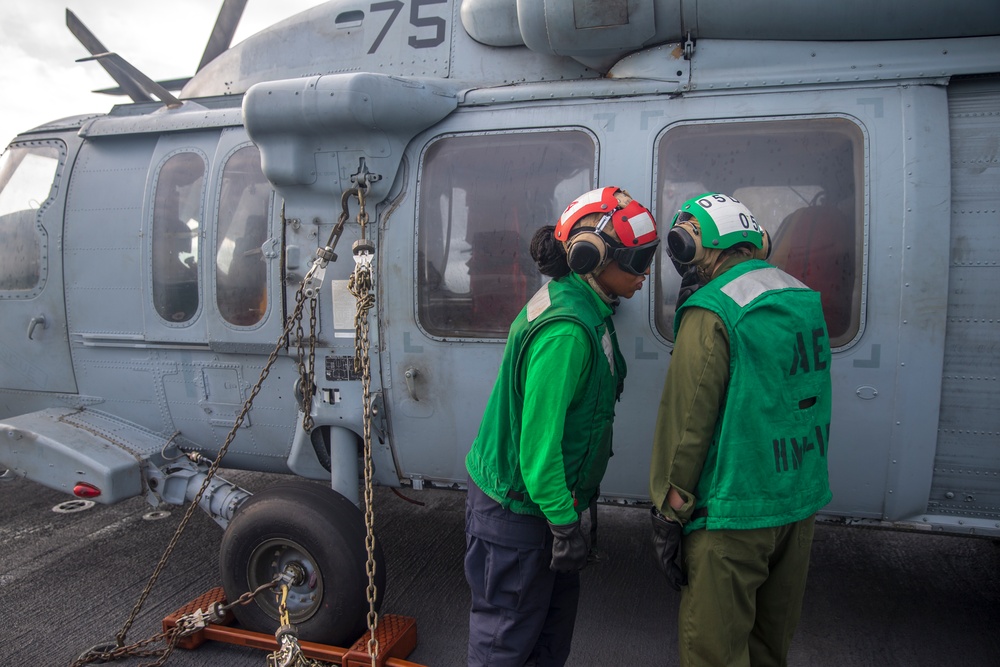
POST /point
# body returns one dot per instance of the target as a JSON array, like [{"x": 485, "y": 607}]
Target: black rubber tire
[{"x": 321, "y": 530}]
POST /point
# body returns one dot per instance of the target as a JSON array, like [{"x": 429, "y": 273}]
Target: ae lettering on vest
[
  {"x": 801, "y": 356},
  {"x": 789, "y": 452}
]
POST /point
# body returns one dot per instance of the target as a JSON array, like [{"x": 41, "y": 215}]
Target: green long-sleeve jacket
[
  {"x": 545, "y": 438},
  {"x": 689, "y": 409}
]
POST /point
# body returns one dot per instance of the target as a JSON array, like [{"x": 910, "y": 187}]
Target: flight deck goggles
[{"x": 636, "y": 260}]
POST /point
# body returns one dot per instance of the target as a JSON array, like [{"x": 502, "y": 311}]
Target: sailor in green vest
[
  {"x": 545, "y": 437},
  {"x": 739, "y": 461}
]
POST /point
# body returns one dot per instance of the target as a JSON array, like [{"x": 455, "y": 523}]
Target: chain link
[
  {"x": 292, "y": 656},
  {"x": 360, "y": 285},
  {"x": 306, "y": 361},
  {"x": 137, "y": 650},
  {"x": 185, "y": 625},
  {"x": 121, "y": 649},
  {"x": 289, "y": 653}
]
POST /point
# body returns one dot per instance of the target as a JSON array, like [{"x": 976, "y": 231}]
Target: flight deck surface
[{"x": 69, "y": 581}]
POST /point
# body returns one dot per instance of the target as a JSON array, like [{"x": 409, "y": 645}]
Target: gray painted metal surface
[
  {"x": 462, "y": 149},
  {"x": 96, "y": 343},
  {"x": 967, "y": 458}
]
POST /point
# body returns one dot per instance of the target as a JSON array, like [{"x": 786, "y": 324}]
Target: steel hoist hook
[
  {"x": 325, "y": 254},
  {"x": 363, "y": 249}
]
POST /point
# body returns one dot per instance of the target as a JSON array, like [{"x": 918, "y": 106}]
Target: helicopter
[{"x": 179, "y": 276}]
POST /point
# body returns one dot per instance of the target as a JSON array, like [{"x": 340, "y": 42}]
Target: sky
[{"x": 40, "y": 80}]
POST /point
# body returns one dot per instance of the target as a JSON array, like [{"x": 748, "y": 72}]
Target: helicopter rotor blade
[
  {"x": 122, "y": 70},
  {"x": 225, "y": 27},
  {"x": 172, "y": 85},
  {"x": 95, "y": 47}
]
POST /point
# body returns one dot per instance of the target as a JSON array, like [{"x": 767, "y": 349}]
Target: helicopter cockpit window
[
  {"x": 26, "y": 177},
  {"x": 802, "y": 178},
  {"x": 481, "y": 199},
  {"x": 240, "y": 269},
  {"x": 177, "y": 216}
]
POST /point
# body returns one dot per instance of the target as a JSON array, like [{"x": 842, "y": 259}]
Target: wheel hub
[{"x": 305, "y": 585}]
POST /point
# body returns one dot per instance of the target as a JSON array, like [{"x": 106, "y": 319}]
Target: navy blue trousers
[{"x": 522, "y": 613}]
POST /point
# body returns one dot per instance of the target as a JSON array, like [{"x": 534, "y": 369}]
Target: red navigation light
[{"x": 84, "y": 490}]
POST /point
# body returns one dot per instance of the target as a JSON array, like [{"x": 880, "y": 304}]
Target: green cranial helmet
[{"x": 722, "y": 222}]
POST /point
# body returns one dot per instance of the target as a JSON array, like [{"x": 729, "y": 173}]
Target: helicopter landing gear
[{"x": 318, "y": 535}]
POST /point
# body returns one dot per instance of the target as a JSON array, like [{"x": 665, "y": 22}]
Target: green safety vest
[
  {"x": 767, "y": 464},
  {"x": 494, "y": 460}
]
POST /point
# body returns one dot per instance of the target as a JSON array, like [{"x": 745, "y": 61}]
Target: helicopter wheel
[{"x": 320, "y": 535}]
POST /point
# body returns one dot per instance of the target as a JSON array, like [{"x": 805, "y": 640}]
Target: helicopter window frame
[
  {"x": 176, "y": 252},
  {"x": 825, "y": 220},
  {"x": 243, "y": 298},
  {"x": 477, "y": 296},
  {"x": 24, "y": 241}
]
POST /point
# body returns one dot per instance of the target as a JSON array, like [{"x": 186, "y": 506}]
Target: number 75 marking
[{"x": 417, "y": 21}]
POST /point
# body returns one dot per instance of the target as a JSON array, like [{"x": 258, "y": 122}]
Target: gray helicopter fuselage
[{"x": 154, "y": 263}]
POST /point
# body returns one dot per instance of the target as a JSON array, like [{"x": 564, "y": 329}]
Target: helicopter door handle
[
  {"x": 35, "y": 321},
  {"x": 411, "y": 381}
]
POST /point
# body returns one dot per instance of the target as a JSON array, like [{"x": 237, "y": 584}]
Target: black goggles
[{"x": 636, "y": 260}]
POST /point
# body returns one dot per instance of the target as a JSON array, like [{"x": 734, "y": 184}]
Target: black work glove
[
  {"x": 569, "y": 548},
  {"x": 690, "y": 282},
  {"x": 667, "y": 548}
]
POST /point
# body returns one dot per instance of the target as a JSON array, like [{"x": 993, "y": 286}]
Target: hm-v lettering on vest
[{"x": 792, "y": 451}]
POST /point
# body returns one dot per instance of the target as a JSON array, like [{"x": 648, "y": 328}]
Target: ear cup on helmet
[
  {"x": 765, "y": 250},
  {"x": 683, "y": 247},
  {"x": 587, "y": 251}
]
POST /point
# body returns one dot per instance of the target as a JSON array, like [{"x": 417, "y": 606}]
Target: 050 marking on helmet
[{"x": 729, "y": 214}]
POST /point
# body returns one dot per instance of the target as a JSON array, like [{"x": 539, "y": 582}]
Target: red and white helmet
[
  {"x": 633, "y": 225},
  {"x": 626, "y": 234}
]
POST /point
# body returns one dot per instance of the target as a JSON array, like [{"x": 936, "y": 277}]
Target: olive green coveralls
[{"x": 742, "y": 435}]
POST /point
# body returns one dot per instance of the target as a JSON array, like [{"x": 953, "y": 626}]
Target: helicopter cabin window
[
  {"x": 177, "y": 216},
  {"x": 803, "y": 180},
  {"x": 481, "y": 199},
  {"x": 240, "y": 269},
  {"x": 27, "y": 173}
]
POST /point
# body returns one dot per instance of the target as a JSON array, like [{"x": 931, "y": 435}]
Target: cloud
[{"x": 40, "y": 80}]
